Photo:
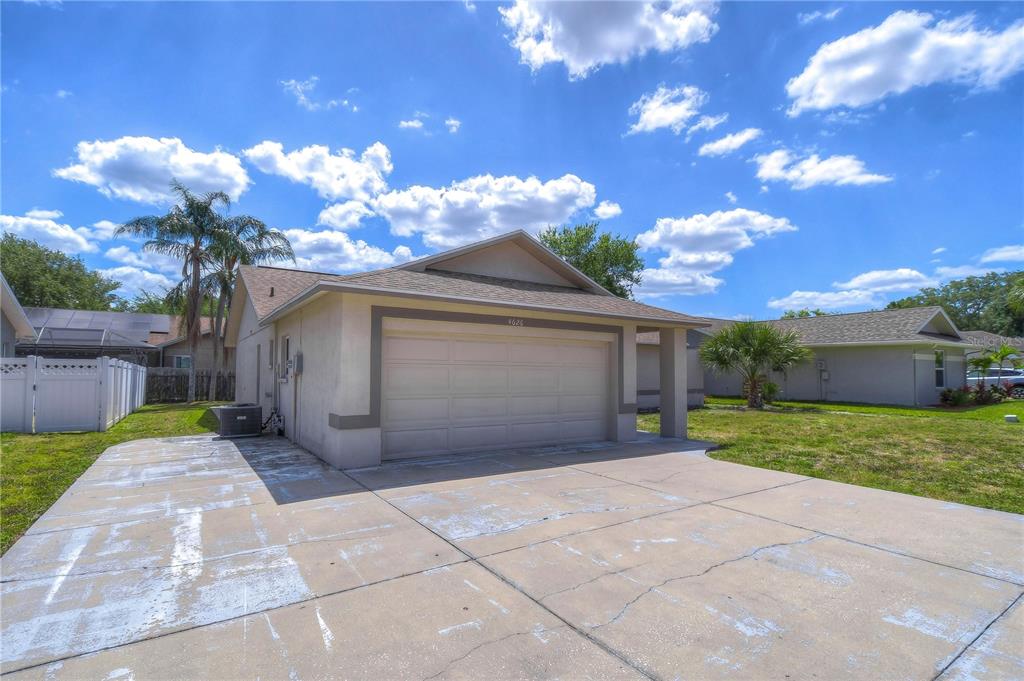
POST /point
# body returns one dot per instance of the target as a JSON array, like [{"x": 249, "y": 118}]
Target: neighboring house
[
  {"x": 493, "y": 345},
  {"x": 648, "y": 368},
  {"x": 14, "y": 323},
  {"x": 992, "y": 341},
  {"x": 143, "y": 338},
  {"x": 905, "y": 356}
]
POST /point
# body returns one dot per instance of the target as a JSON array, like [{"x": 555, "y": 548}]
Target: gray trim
[
  {"x": 648, "y": 392},
  {"x": 378, "y": 313}
]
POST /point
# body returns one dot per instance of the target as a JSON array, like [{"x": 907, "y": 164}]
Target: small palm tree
[
  {"x": 186, "y": 233},
  {"x": 242, "y": 240},
  {"x": 982, "y": 363},
  {"x": 1003, "y": 354},
  {"x": 752, "y": 349}
]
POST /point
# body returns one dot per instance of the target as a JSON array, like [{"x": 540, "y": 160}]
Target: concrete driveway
[{"x": 202, "y": 558}]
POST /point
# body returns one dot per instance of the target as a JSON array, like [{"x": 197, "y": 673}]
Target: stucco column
[
  {"x": 624, "y": 414},
  {"x": 673, "y": 382}
]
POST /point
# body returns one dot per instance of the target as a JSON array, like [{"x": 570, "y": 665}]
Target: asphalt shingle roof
[
  {"x": 880, "y": 326},
  {"x": 288, "y": 284}
]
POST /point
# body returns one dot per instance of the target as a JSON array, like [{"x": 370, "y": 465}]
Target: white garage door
[{"x": 451, "y": 394}]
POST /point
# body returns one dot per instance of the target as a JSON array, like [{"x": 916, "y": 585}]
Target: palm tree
[
  {"x": 982, "y": 363},
  {"x": 1001, "y": 355},
  {"x": 243, "y": 240},
  {"x": 752, "y": 349},
  {"x": 186, "y": 233}
]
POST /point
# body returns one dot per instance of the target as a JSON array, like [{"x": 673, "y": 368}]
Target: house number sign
[{"x": 516, "y": 321}]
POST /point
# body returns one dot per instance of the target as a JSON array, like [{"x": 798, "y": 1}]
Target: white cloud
[
  {"x": 706, "y": 123},
  {"x": 606, "y": 210},
  {"x": 336, "y": 251},
  {"x": 103, "y": 230},
  {"x": 907, "y": 50},
  {"x": 810, "y": 17},
  {"x": 135, "y": 280},
  {"x": 701, "y": 244},
  {"x": 304, "y": 95},
  {"x": 961, "y": 271},
  {"x": 826, "y": 300},
  {"x": 666, "y": 108},
  {"x": 42, "y": 226},
  {"x": 940, "y": 249},
  {"x": 64, "y": 94},
  {"x": 141, "y": 168},
  {"x": 414, "y": 124},
  {"x": 334, "y": 176},
  {"x": 732, "y": 198},
  {"x": 729, "y": 143},
  {"x": 482, "y": 206},
  {"x": 344, "y": 215},
  {"x": 901, "y": 279},
  {"x": 1013, "y": 253},
  {"x": 586, "y": 36},
  {"x": 151, "y": 261},
  {"x": 453, "y": 124},
  {"x": 781, "y": 165}
]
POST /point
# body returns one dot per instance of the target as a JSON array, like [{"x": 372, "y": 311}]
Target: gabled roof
[
  {"x": 879, "y": 327},
  {"x": 274, "y": 291},
  {"x": 991, "y": 341},
  {"x": 14, "y": 312}
]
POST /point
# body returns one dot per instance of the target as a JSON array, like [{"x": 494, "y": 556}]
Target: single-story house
[
  {"x": 904, "y": 357},
  {"x": 173, "y": 349},
  {"x": 493, "y": 345},
  {"x": 991, "y": 341},
  {"x": 14, "y": 323}
]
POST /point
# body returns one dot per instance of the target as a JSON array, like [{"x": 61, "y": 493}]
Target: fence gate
[{"x": 41, "y": 395}]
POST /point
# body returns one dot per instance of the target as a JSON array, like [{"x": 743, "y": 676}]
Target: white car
[{"x": 995, "y": 376}]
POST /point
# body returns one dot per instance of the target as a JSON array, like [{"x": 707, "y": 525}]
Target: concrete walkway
[{"x": 199, "y": 558}]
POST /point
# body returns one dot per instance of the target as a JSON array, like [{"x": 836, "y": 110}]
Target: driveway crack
[
  {"x": 703, "y": 572},
  {"x": 477, "y": 647}
]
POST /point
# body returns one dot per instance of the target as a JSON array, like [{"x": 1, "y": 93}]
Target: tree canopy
[
  {"x": 800, "y": 314},
  {"x": 608, "y": 259},
  {"x": 975, "y": 303},
  {"x": 41, "y": 277}
]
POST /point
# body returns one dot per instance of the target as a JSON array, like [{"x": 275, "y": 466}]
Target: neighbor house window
[
  {"x": 182, "y": 362},
  {"x": 940, "y": 369}
]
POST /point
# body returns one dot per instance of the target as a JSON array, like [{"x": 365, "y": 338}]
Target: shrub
[
  {"x": 985, "y": 395},
  {"x": 769, "y": 391},
  {"x": 955, "y": 397}
]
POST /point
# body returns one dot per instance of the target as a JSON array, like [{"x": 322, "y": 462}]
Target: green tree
[
  {"x": 800, "y": 314},
  {"x": 242, "y": 240},
  {"x": 610, "y": 260},
  {"x": 41, "y": 277},
  {"x": 1015, "y": 297},
  {"x": 147, "y": 302},
  {"x": 187, "y": 233},
  {"x": 975, "y": 303},
  {"x": 752, "y": 349}
]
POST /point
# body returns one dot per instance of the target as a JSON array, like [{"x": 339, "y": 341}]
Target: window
[
  {"x": 940, "y": 369},
  {"x": 182, "y": 362}
]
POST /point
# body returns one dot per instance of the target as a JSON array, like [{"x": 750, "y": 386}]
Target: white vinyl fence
[{"x": 40, "y": 395}]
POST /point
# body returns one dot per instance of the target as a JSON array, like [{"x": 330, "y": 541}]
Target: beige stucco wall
[
  {"x": 333, "y": 333},
  {"x": 254, "y": 381},
  {"x": 506, "y": 260},
  {"x": 649, "y": 377},
  {"x": 204, "y": 354}
]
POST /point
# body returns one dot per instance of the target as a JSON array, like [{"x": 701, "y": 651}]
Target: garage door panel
[
  {"x": 479, "y": 407},
  {"x": 480, "y": 351},
  {"x": 479, "y": 379},
  {"x": 402, "y": 348},
  {"x": 469, "y": 437},
  {"x": 520, "y": 433},
  {"x": 534, "y": 380},
  {"x": 534, "y": 353},
  {"x": 582, "y": 354},
  {"x": 415, "y": 379},
  {"x": 580, "y": 404},
  {"x": 532, "y": 405},
  {"x": 471, "y": 393},
  {"x": 584, "y": 379},
  {"x": 403, "y": 411},
  {"x": 400, "y": 443}
]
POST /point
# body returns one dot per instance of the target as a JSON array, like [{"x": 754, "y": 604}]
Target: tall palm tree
[
  {"x": 243, "y": 240},
  {"x": 752, "y": 349},
  {"x": 187, "y": 232}
]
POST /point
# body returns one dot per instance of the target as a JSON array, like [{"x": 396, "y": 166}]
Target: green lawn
[
  {"x": 968, "y": 456},
  {"x": 36, "y": 469}
]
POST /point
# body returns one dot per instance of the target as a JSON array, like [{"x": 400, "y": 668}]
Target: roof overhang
[
  {"x": 14, "y": 312},
  {"x": 526, "y": 241},
  {"x": 323, "y": 287}
]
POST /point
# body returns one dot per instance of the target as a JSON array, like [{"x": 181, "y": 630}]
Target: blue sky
[{"x": 765, "y": 155}]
